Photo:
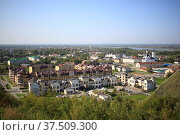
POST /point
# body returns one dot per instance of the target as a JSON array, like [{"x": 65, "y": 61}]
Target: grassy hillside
[{"x": 171, "y": 86}]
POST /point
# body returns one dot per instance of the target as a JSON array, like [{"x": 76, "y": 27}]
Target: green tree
[{"x": 149, "y": 69}]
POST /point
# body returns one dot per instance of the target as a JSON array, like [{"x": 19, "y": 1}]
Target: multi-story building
[
  {"x": 21, "y": 78},
  {"x": 66, "y": 66},
  {"x": 34, "y": 88},
  {"x": 145, "y": 83},
  {"x": 18, "y": 61},
  {"x": 40, "y": 68},
  {"x": 122, "y": 78}
]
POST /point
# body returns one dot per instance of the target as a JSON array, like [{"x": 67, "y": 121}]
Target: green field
[
  {"x": 159, "y": 80},
  {"x": 136, "y": 97}
]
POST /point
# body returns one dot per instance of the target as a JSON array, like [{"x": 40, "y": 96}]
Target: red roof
[{"x": 143, "y": 63}]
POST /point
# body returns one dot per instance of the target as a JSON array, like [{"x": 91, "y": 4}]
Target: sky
[{"x": 89, "y": 21}]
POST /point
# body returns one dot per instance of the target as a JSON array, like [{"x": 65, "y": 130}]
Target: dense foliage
[{"x": 84, "y": 108}]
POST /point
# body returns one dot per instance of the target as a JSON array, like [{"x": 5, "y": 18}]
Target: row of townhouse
[
  {"x": 145, "y": 83},
  {"x": 83, "y": 82},
  {"x": 45, "y": 72}
]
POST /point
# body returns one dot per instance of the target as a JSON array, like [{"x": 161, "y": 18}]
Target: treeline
[{"x": 87, "y": 108}]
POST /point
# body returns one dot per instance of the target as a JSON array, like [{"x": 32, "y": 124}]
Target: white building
[
  {"x": 94, "y": 57},
  {"x": 68, "y": 91},
  {"x": 154, "y": 54},
  {"x": 74, "y": 84},
  {"x": 113, "y": 80},
  {"x": 132, "y": 81},
  {"x": 34, "y": 88},
  {"x": 148, "y": 58},
  {"x": 176, "y": 62},
  {"x": 97, "y": 82},
  {"x": 114, "y": 56},
  {"x": 104, "y": 97},
  {"x": 148, "y": 85},
  {"x": 131, "y": 60},
  {"x": 56, "y": 86},
  {"x": 34, "y": 58}
]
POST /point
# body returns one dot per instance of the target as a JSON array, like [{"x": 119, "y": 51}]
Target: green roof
[
  {"x": 34, "y": 56},
  {"x": 18, "y": 59}
]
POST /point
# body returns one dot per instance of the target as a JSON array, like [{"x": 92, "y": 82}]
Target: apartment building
[
  {"x": 40, "y": 68},
  {"x": 18, "y": 61}
]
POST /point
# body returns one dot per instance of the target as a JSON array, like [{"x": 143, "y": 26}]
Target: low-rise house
[
  {"x": 74, "y": 84},
  {"x": 177, "y": 62},
  {"x": 113, "y": 80},
  {"x": 54, "y": 61},
  {"x": 171, "y": 69},
  {"x": 68, "y": 91},
  {"x": 55, "y": 86},
  {"x": 104, "y": 97},
  {"x": 34, "y": 88},
  {"x": 114, "y": 56},
  {"x": 144, "y": 65},
  {"x": 96, "y": 82},
  {"x": 34, "y": 58},
  {"x": 131, "y": 60},
  {"x": 132, "y": 81},
  {"x": 148, "y": 85},
  {"x": 94, "y": 57}
]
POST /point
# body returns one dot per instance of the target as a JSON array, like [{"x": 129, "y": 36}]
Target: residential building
[
  {"x": 34, "y": 88},
  {"x": 74, "y": 84},
  {"x": 34, "y": 58},
  {"x": 144, "y": 65},
  {"x": 66, "y": 66},
  {"x": 131, "y": 60},
  {"x": 40, "y": 68},
  {"x": 68, "y": 91},
  {"x": 18, "y": 61}
]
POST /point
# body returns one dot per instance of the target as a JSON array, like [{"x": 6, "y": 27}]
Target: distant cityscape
[{"x": 97, "y": 73}]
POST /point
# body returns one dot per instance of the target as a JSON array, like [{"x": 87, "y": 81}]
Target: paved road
[{"x": 13, "y": 90}]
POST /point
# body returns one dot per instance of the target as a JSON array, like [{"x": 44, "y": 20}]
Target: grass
[
  {"x": 2, "y": 78},
  {"x": 8, "y": 86},
  {"x": 159, "y": 80},
  {"x": 3, "y": 68},
  {"x": 136, "y": 97},
  {"x": 20, "y": 95},
  {"x": 9, "y": 80}
]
